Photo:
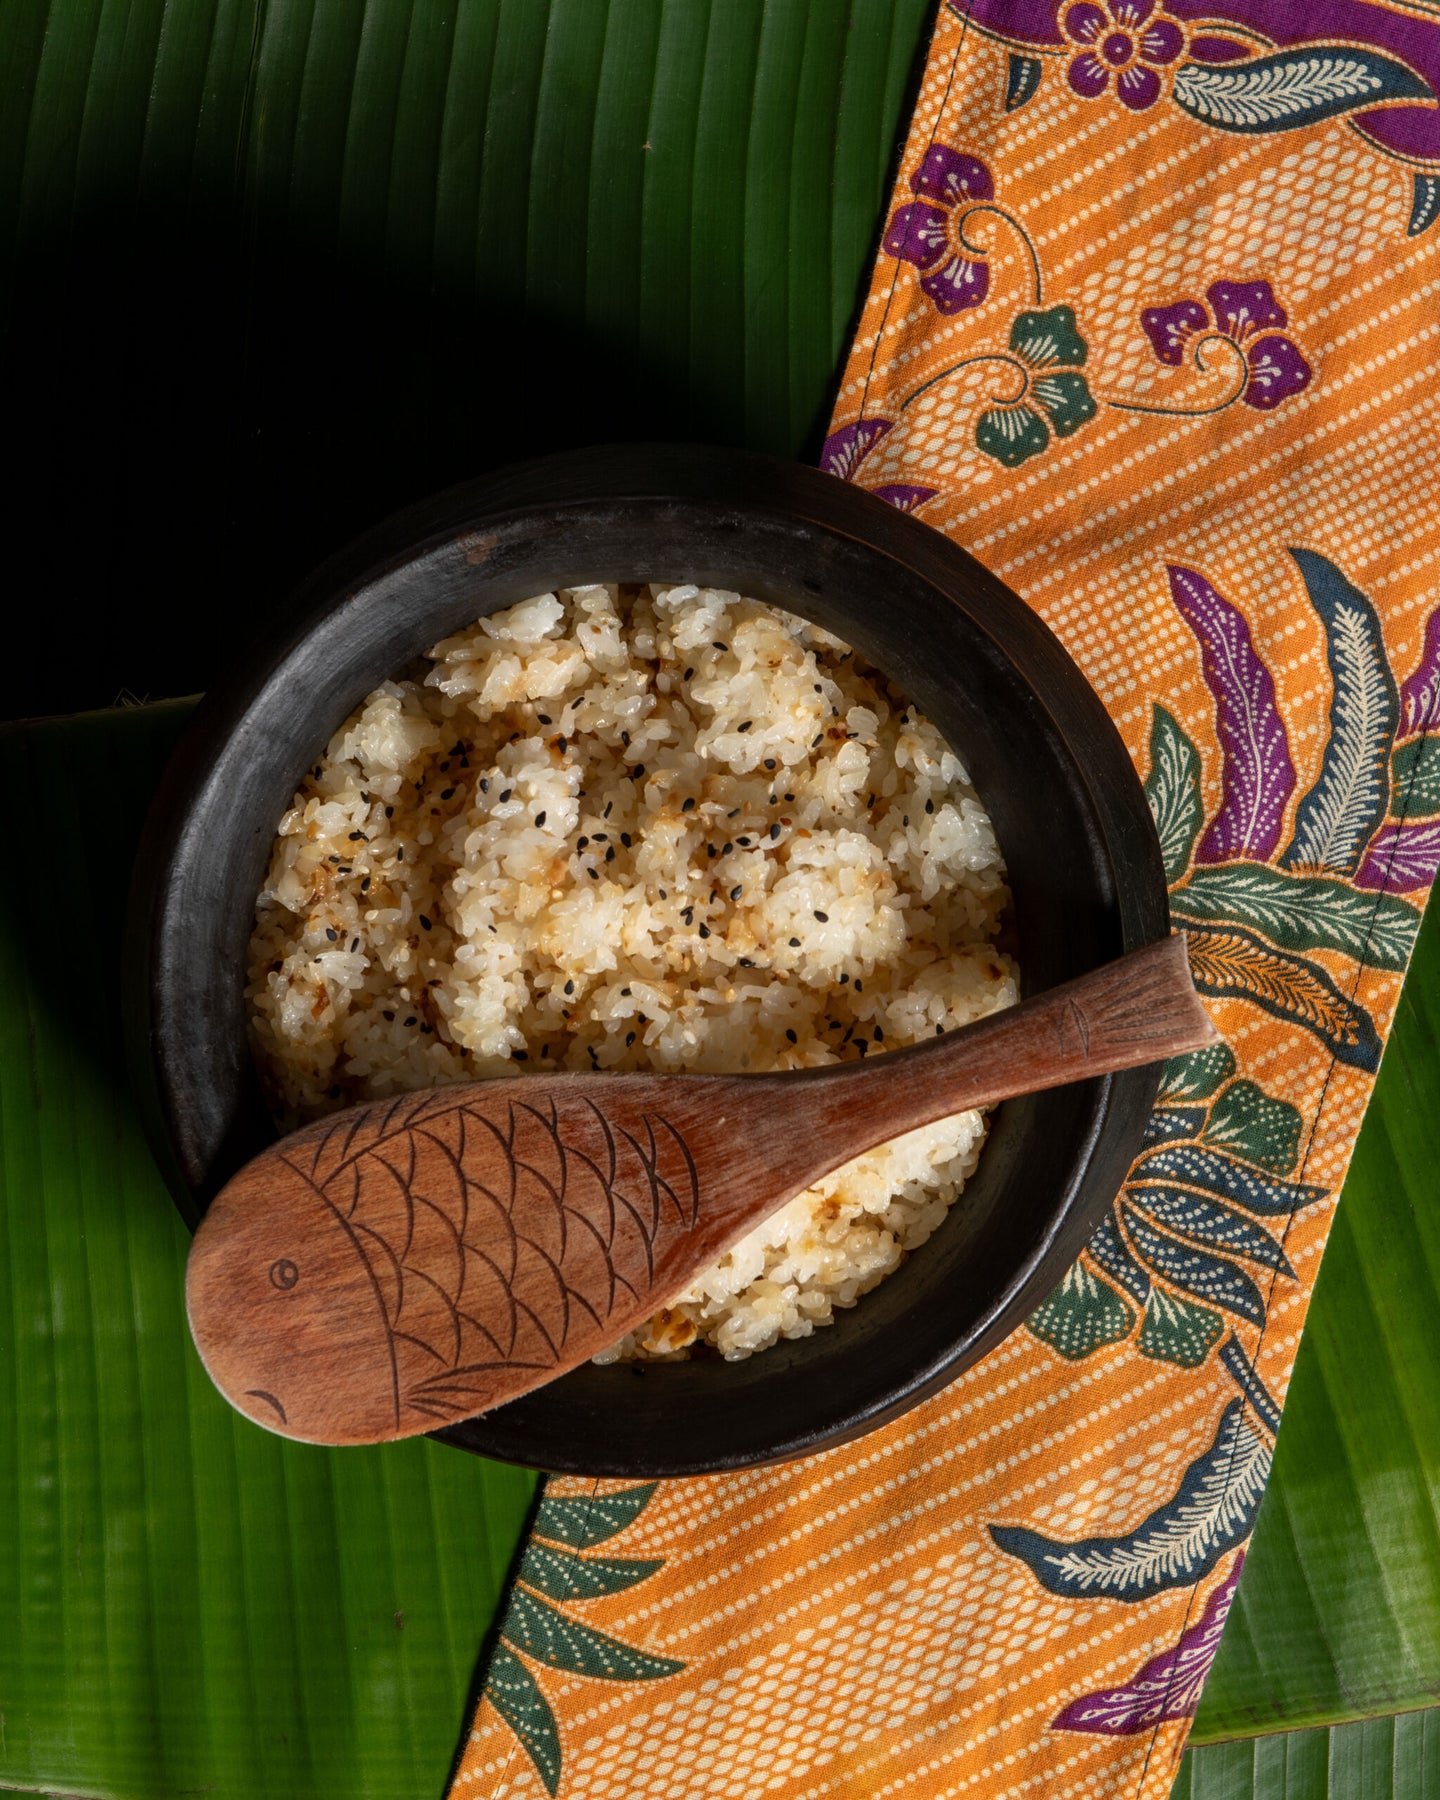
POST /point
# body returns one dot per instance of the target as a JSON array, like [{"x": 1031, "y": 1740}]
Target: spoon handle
[{"x": 1138, "y": 1010}]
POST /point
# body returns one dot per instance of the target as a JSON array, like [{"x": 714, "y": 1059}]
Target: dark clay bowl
[{"x": 1071, "y": 817}]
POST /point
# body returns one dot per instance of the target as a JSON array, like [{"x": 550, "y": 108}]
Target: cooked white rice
[{"x": 643, "y": 828}]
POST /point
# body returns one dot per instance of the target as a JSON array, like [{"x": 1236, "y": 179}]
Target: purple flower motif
[
  {"x": 1167, "y": 1687},
  {"x": 926, "y": 233},
  {"x": 844, "y": 450},
  {"x": 1124, "y": 38},
  {"x": 908, "y": 496},
  {"x": 1248, "y": 315}
]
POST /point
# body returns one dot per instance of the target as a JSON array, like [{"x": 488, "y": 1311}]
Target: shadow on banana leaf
[{"x": 209, "y": 411}]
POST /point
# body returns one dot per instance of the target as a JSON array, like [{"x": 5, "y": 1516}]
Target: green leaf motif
[
  {"x": 1193, "y": 1271},
  {"x": 554, "y": 1638},
  {"x": 1173, "y": 790},
  {"x": 1011, "y": 434},
  {"x": 1351, "y": 795},
  {"x": 1233, "y": 964},
  {"x": 564, "y": 1575},
  {"x": 1302, "y": 912},
  {"x": 1293, "y": 87},
  {"x": 1210, "y": 1512},
  {"x": 1048, "y": 339},
  {"x": 1178, "y": 1331},
  {"x": 516, "y": 1696},
  {"x": 1216, "y": 1172},
  {"x": 1022, "y": 80},
  {"x": 1263, "y": 1130},
  {"x": 582, "y": 1520},
  {"x": 1198, "y": 1075},
  {"x": 1415, "y": 777},
  {"x": 1211, "y": 1222},
  {"x": 1081, "y": 1316},
  {"x": 1066, "y": 398}
]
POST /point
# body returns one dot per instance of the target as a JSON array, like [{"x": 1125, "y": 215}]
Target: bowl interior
[{"x": 1071, "y": 819}]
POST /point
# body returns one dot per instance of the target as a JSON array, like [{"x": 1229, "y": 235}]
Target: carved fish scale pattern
[{"x": 495, "y": 1233}]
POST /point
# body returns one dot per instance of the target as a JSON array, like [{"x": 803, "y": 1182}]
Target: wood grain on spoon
[{"x": 416, "y": 1261}]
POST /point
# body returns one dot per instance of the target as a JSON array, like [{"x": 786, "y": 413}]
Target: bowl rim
[{"x": 463, "y": 525}]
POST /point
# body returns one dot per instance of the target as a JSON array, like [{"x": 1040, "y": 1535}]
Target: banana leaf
[
  {"x": 271, "y": 268},
  {"x": 1391, "y": 1758}
]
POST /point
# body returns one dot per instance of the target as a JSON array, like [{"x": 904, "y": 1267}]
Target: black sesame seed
[
  {"x": 540, "y": 817},
  {"x": 506, "y": 795},
  {"x": 688, "y": 804},
  {"x": 358, "y": 837},
  {"x": 569, "y": 987},
  {"x": 610, "y": 853},
  {"x": 792, "y": 1037},
  {"x": 522, "y": 1056},
  {"x": 354, "y": 945},
  {"x": 625, "y": 739},
  {"x": 425, "y": 922},
  {"x": 411, "y": 1019},
  {"x": 859, "y": 985},
  {"x": 729, "y": 848},
  {"x": 625, "y": 839},
  {"x": 745, "y": 725},
  {"x": 746, "y": 963},
  {"x": 399, "y": 853},
  {"x": 331, "y": 933},
  {"x": 484, "y": 787},
  {"x": 862, "y": 1046},
  {"x": 905, "y": 819},
  {"x": 625, "y": 990},
  {"x": 774, "y": 831},
  {"x": 790, "y": 797},
  {"x": 447, "y": 793},
  {"x": 663, "y": 894},
  {"x": 704, "y": 931},
  {"x": 717, "y": 645},
  {"x": 843, "y": 978},
  {"x": 561, "y": 745},
  {"x": 736, "y": 892},
  {"x": 333, "y": 859},
  {"x": 608, "y": 805},
  {"x": 818, "y": 737},
  {"x": 390, "y": 810},
  {"x": 602, "y": 837},
  {"x": 580, "y": 843},
  {"x": 544, "y": 718},
  {"x": 388, "y": 1014},
  {"x": 594, "y": 874},
  {"x": 930, "y": 806},
  {"x": 794, "y": 943},
  {"x": 688, "y": 915},
  {"x": 878, "y": 1035},
  {"x": 629, "y": 1039},
  {"x": 365, "y": 885},
  {"x": 823, "y": 917},
  {"x": 688, "y": 673},
  {"x": 743, "y": 842},
  {"x": 769, "y": 762}
]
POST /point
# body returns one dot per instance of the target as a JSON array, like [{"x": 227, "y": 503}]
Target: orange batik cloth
[{"x": 1151, "y": 333}]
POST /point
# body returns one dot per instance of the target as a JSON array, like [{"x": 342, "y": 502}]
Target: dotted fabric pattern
[{"x": 1159, "y": 349}]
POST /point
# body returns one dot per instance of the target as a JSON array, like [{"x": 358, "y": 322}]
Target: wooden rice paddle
[{"x": 413, "y": 1262}]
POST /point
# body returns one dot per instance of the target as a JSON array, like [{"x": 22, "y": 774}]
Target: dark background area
[{"x": 273, "y": 272}]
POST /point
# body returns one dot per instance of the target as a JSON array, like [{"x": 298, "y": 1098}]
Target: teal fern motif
[
  {"x": 1338, "y": 817},
  {"x": 1210, "y": 1512},
  {"x": 555, "y": 1571}
]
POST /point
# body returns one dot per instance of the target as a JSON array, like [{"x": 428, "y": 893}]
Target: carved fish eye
[{"x": 284, "y": 1274}]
